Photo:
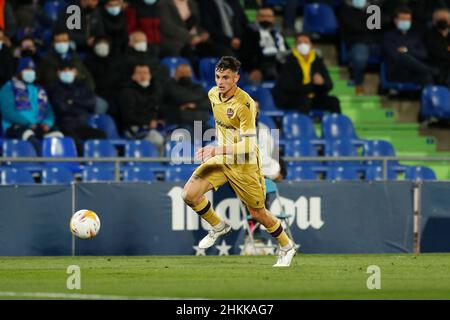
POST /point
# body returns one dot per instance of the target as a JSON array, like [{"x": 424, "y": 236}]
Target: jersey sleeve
[{"x": 247, "y": 129}]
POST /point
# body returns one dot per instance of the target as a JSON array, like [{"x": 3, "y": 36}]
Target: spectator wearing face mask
[
  {"x": 304, "y": 82},
  {"x": 6, "y": 61},
  {"x": 143, "y": 15},
  {"x": 140, "y": 107},
  {"x": 59, "y": 53},
  {"x": 74, "y": 102},
  {"x": 91, "y": 25},
  {"x": 115, "y": 23},
  {"x": 405, "y": 52},
  {"x": 263, "y": 48},
  {"x": 360, "y": 41},
  {"x": 438, "y": 44},
  {"x": 105, "y": 70},
  {"x": 25, "y": 108},
  {"x": 187, "y": 101},
  {"x": 138, "y": 53},
  {"x": 27, "y": 48}
]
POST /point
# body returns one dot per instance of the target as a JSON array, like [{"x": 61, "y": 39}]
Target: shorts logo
[{"x": 230, "y": 112}]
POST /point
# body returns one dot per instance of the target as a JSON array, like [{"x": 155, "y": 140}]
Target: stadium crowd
[{"x": 53, "y": 78}]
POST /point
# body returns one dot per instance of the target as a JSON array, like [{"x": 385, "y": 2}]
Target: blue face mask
[
  {"x": 359, "y": 3},
  {"x": 114, "y": 11},
  {"x": 62, "y": 47},
  {"x": 150, "y": 2},
  {"x": 28, "y": 76},
  {"x": 67, "y": 76},
  {"x": 404, "y": 25}
]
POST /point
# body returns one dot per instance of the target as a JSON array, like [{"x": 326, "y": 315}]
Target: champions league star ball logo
[{"x": 230, "y": 112}]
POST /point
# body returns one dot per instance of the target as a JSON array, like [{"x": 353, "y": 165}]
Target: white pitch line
[{"x": 53, "y": 295}]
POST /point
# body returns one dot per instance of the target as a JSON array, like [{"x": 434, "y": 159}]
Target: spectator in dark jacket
[
  {"x": 187, "y": 101},
  {"x": 115, "y": 23},
  {"x": 91, "y": 25},
  {"x": 438, "y": 44},
  {"x": 360, "y": 41},
  {"x": 8, "y": 22},
  {"x": 405, "y": 52},
  {"x": 304, "y": 82},
  {"x": 61, "y": 52},
  {"x": 6, "y": 60},
  {"x": 263, "y": 48},
  {"x": 225, "y": 21},
  {"x": 140, "y": 107},
  {"x": 74, "y": 102},
  {"x": 143, "y": 15}
]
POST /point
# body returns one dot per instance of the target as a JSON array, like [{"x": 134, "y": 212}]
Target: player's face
[{"x": 226, "y": 80}]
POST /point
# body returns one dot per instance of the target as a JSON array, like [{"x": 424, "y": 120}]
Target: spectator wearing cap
[
  {"x": 6, "y": 60},
  {"x": 74, "y": 102},
  {"x": 143, "y": 15},
  {"x": 304, "y": 82},
  {"x": 115, "y": 23},
  {"x": 26, "y": 111},
  {"x": 61, "y": 52}
]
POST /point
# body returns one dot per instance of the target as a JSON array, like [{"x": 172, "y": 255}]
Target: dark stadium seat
[
  {"x": 56, "y": 175},
  {"x": 419, "y": 173},
  {"x": 265, "y": 99},
  {"x": 99, "y": 149},
  {"x": 319, "y": 18},
  {"x": 385, "y": 84},
  {"x": 172, "y": 62},
  {"x": 106, "y": 123},
  {"x": 16, "y": 176},
  {"x": 342, "y": 173},
  {"x": 207, "y": 71},
  {"x": 435, "y": 102},
  {"x": 97, "y": 174},
  {"x": 375, "y": 173},
  {"x": 138, "y": 174},
  {"x": 268, "y": 121},
  {"x": 53, "y": 8}
]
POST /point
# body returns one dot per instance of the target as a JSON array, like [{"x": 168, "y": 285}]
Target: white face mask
[
  {"x": 101, "y": 49},
  {"x": 140, "y": 46},
  {"x": 303, "y": 49},
  {"x": 144, "y": 84}
]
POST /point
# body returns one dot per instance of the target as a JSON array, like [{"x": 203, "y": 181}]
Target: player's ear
[{"x": 236, "y": 78}]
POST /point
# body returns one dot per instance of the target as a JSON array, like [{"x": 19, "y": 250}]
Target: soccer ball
[{"x": 84, "y": 224}]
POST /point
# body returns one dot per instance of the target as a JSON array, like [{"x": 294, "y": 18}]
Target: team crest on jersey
[{"x": 230, "y": 112}]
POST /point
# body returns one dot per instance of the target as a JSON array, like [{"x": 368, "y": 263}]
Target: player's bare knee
[
  {"x": 188, "y": 197},
  {"x": 257, "y": 213}
]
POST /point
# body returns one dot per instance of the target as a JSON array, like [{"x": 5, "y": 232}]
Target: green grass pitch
[{"x": 403, "y": 276}]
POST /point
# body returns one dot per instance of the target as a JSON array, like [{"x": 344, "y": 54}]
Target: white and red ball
[{"x": 85, "y": 224}]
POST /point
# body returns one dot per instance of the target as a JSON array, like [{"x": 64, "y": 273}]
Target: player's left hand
[{"x": 204, "y": 154}]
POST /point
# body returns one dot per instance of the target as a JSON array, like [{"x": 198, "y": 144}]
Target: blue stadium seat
[
  {"x": 265, "y": 99},
  {"x": 99, "y": 149},
  {"x": 56, "y": 175},
  {"x": 97, "y": 174},
  {"x": 419, "y": 173},
  {"x": 20, "y": 148},
  {"x": 341, "y": 148},
  {"x": 16, "y": 176},
  {"x": 301, "y": 148},
  {"x": 172, "y": 62},
  {"x": 207, "y": 71},
  {"x": 106, "y": 123},
  {"x": 268, "y": 121},
  {"x": 298, "y": 126},
  {"x": 142, "y": 149},
  {"x": 435, "y": 102},
  {"x": 319, "y": 18},
  {"x": 177, "y": 150},
  {"x": 379, "y": 148},
  {"x": 180, "y": 173},
  {"x": 52, "y": 9},
  {"x": 300, "y": 173},
  {"x": 60, "y": 148},
  {"x": 385, "y": 84},
  {"x": 342, "y": 174},
  {"x": 338, "y": 126},
  {"x": 375, "y": 173},
  {"x": 138, "y": 174}
]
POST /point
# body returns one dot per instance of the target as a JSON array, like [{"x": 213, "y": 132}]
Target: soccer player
[{"x": 235, "y": 160}]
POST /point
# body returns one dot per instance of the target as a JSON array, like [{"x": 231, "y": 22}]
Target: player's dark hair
[
  {"x": 228, "y": 63},
  {"x": 402, "y": 9}
]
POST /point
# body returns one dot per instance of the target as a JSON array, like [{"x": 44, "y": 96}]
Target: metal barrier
[{"x": 118, "y": 160}]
